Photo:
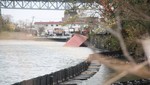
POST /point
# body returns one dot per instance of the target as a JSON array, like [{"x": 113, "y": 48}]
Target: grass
[{"x": 15, "y": 36}]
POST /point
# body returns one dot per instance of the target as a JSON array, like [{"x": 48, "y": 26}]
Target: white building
[
  {"x": 71, "y": 27},
  {"x": 49, "y": 27}
]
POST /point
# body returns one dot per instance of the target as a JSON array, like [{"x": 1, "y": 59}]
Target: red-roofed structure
[
  {"x": 44, "y": 23},
  {"x": 76, "y": 41},
  {"x": 77, "y": 25}
]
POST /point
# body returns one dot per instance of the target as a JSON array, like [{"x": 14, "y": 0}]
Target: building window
[
  {"x": 56, "y": 24},
  {"x": 52, "y": 25},
  {"x": 46, "y": 25}
]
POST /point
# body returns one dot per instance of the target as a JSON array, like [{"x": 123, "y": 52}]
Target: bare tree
[{"x": 128, "y": 21}]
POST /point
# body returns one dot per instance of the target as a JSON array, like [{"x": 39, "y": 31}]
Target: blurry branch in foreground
[
  {"x": 121, "y": 68},
  {"x": 129, "y": 68},
  {"x": 119, "y": 36},
  {"x": 146, "y": 46},
  {"x": 130, "y": 11}
]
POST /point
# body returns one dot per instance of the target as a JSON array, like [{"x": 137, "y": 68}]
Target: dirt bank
[{"x": 15, "y": 35}]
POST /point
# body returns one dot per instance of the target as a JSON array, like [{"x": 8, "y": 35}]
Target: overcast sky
[{"x": 39, "y": 15}]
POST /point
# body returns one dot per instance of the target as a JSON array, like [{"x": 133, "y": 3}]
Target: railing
[
  {"x": 50, "y": 4},
  {"x": 57, "y": 77}
]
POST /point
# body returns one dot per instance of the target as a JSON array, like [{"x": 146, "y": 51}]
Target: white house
[
  {"x": 49, "y": 27},
  {"x": 71, "y": 27}
]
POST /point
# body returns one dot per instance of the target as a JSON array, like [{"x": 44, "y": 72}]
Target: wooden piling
[{"x": 56, "y": 77}]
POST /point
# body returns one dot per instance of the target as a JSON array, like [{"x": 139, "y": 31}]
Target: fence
[{"x": 57, "y": 77}]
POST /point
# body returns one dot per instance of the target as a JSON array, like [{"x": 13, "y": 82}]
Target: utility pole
[
  {"x": 32, "y": 21},
  {"x": 0, "y": 9},
  {"x": 0, "y": 17}
]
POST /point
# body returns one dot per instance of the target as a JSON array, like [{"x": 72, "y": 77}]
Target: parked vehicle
[{"x": 58, "y": 31}]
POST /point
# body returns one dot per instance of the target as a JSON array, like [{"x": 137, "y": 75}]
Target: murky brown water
[{"x": 21, "y": 60}]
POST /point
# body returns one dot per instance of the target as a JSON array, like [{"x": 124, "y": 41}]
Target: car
[{"x": 58, "y": 31}]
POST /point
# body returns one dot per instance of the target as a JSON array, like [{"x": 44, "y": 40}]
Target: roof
[
  {"x": 47, "y": 23},
  {"x": 78, "y": 21}
]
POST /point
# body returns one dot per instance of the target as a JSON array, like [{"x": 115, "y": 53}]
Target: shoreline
[
  {"x": 25, "y": 36},
  {"x": 15, "y": 36}
]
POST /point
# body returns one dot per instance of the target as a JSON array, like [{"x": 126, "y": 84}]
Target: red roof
[
  {"x": 78, "y": 21},
  {"x": 47, "y": 22},
  {"x": 76, "y": 41}
]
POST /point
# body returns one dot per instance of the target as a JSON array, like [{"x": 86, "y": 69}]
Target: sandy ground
[{"x": 15, "y": 36}]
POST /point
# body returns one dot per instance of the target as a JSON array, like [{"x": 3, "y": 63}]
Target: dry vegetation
[
  {"x": 15, "y": 36},
  {"x": 129, "y": 23}
]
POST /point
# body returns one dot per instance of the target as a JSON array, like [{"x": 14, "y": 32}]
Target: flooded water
[
  {"x": 22, "y": 60},
  {"x": 100, "y": 77}
]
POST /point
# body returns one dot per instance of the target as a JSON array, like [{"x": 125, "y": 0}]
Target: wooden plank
[
  {"x": 29, "y": 82},
  {"x": 23, "y": 83},
  {"x": 44, "y": 80},
  {"x": 94, "y": 67},
  {"x": 83, "y": 77},
  {"x": 37, "y": 81},
  {"x": 93, "y": 70},
  {"x": 88, "y": 72},
  {"x": 49, "y": 79},
  {"x": 71, "y": 82}
]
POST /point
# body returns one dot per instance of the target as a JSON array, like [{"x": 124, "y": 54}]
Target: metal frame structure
[{"x": 46, "y": 4}]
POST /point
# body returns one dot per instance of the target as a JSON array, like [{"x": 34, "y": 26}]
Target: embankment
[{"x": 15, "y": 36}]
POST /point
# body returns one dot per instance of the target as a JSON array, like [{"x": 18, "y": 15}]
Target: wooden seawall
[
  {"x": 68, "y": 76},
  {"x": 76, "y": 74}
]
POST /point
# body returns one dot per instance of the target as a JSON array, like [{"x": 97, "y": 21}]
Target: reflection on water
[{"x": 21, "y": 60}]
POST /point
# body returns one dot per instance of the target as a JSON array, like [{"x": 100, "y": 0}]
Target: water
[
  {"x": 22, "y": 60},
  {"x": 100, "y": 77}
]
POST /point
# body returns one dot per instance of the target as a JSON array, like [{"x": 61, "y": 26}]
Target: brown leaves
[
  {"x": 122, "y": 68},
  {"x": 129, "y": 9}
]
